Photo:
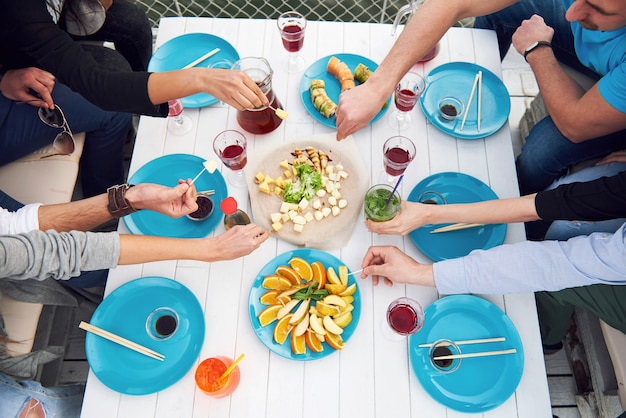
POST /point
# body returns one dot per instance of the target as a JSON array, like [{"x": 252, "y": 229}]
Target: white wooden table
[{"x": 371, "y": 376}]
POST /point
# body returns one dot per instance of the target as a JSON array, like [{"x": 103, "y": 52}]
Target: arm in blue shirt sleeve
[{"x": 531, "y": 266}]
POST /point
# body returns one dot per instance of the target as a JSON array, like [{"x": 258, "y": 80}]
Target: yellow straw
[{"x": 232, "y": 366}]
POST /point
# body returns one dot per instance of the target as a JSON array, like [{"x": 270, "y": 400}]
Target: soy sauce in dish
[
  {"x": 449, "y": 110},
  {"x": 165, "y": 325},
  {"x": 442, "y": 351}
]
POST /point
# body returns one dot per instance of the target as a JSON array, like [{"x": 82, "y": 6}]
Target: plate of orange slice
[{"x": 304, "y": 304}]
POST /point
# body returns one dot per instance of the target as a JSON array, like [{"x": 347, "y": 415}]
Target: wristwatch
[
  {"x": 534, "y": 46},
  {"x": 118, "y": 205}
]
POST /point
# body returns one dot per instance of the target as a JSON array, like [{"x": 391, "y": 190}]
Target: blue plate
[
  {"x": 124, "y": 312},
  {"x": 166, "y": 170},
  {"x": 266, "y": 334},
  {"x": 455, "y": 188},
  {"x": 480, "y": 383},
  {"x": 182, "y": 50},
  {"x": 456, "y": 79},
  {"x": 317, "y": 71}
]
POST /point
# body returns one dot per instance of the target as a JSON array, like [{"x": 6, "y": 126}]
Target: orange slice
[
  {"x": 276, "y": 282},
  {"x": 298, "y": 344},
  {"x": 269, "y": 297},
  {"x": 319, "y": 273},
  {"x": 313, "y": 342},
  {"x": 289, "y": 273},
  {"x": 282, "y": 329},
  {"x": 268, "y": 315},
  {"x": 334, "y": 340},
  {"x": 300, "y": 265}
]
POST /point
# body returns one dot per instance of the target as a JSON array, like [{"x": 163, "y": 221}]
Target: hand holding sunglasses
[{"x": 64, "y": 141}]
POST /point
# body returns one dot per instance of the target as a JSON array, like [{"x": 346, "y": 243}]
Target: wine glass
[
  {"x": 292, "y": 25},
  {"x": 408, "y": 90},
  {"x": 405, "y": 316},
  {"x": 398, "y": 152},
  {"x": 178, "y": 123},
  {"x": 230, "y": 146}
]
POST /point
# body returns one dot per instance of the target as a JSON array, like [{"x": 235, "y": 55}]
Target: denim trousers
[{"x": 547, "y": 154}]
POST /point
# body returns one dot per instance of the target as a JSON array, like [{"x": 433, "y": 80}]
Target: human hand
[
  {"x": 235, "y": 88},
  {"x": 392, "y": 265},
  {"x": 357, "y": 107},
  {"x": 31, "y": 85},
  {"x": 412, "y": 215},
  {"x": 240, "y": 240},
  {"x": 614, "y": 157},
  {"x": 531, "y": 30},
  {"x": 171, "y": 201}
]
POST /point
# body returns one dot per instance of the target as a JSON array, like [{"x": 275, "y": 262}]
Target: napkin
[{"x": 332, "y": 232}]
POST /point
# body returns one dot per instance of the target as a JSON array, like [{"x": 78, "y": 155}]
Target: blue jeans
[
  {"x": 547, "y": 154},
  {"x": 58, "y": 401}
]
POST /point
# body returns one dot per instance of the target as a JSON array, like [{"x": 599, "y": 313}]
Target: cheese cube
[
  {"x": 284, "y": 164},
  {"x": 303, "y": 204},
  {"x": 259, "y": 177},
  {"x": 292, "y": 214},
  {"x": 265, "y": 188},
  {"x": 285, "y": 218},
  {"x": 336, "y": 194},
  {"x": 319, "y": 215},
  {"x": 277, "y": 226},
  {"x": 326, "y": 212},
  {"x": 287, "y": 174},
  {"x": 316, "y": 204},
  {"x": 284, "y": 207},
  {"x": 298, "y": 227},
  {"x": 276, "y": 216},
  {"x": 308, "y": 216},
  {"x": 343, "y": 174},
  {"x": 332, "y": 201},
  {"x": 342, "y": 203},
  {"x": 336, "y": 210},
  {"x": 299, "y": 220}
]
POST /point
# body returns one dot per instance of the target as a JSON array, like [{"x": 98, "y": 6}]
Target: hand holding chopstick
[
  {"x": 455, "y": 227},
  {"x": 202, "y": 58},
  {"x": 121, "y": 341}
]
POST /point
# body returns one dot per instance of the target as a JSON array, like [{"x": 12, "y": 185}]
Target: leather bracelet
[
  {"x": 118, "y": 205},
  {"x": 534, "y": 46}
]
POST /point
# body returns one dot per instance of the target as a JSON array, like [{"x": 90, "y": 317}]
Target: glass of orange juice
[{"x": 208, "y": 377}]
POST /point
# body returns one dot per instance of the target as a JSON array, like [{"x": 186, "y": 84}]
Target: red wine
[
  {"x": 293, "y": 38},
  {"x": 176, "y": 107},
  {"x": 260, "y": 121},
  {"x": 405, "y": 100},
  {"x": 236, "y": 155},
  {"x": 396, "y": 161},
  {"x": 403, "y": 319}
]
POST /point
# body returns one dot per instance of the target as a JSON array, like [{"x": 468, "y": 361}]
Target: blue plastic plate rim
[
  {"x": 124, "y": 312},
  {"x": 456, "y": 79},
  {"x": 317, "y": 71},
  {"x": 182, "y": 50},
  {"x": 266, "y": 334},
  {"x": 481, "y": 383},
  {"x": 456, "y": 188},
  {"x": 166, "y": 170}
]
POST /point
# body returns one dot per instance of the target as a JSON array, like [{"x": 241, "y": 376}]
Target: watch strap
[
  {"x": 537, "y": 45},
  {"x": 118, "y": 205}
]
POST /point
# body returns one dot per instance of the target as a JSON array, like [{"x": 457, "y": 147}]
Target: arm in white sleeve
[
  {"x": 39, "y": 255},
  {"x": 24, "y": 219},
  {"x": 531, "y": 266}
]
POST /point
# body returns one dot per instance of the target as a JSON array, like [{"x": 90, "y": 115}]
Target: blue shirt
[{"x": 605, "y": 53}]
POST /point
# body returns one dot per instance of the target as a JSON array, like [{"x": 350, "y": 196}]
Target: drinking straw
[
  {"x": 394, "y": 190},
  {"x": 232, "y": 367},
  {"x": 469, "y": 101}
]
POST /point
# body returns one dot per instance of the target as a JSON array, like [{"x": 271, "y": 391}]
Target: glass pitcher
[
  {"x": 263, "y": 119},
  {"x": 409, "y": 10}
]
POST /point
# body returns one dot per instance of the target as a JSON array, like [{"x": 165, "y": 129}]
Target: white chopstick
[
  {"x": 121, "y": 341},
  {"x": 202, "y": 58},
  {"x": 471, "y": 97},
  {"x": 463, "y": 342},
  {"x": 481, "y": 354},
  {"x": 480, "y": 95},
  {"x": 455, "y": 227}
]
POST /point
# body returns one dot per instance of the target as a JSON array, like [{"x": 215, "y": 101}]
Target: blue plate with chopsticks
[
  {"x": 456, "y": 79},
  {"x": 183, "y": 50},
  {"x": 479, "y": 384}
]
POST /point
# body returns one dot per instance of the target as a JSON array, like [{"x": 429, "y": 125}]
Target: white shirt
[{"x": 24, "y": 220}]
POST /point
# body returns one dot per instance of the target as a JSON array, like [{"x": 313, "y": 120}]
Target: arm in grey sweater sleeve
[{"x": 39, "y": 255}]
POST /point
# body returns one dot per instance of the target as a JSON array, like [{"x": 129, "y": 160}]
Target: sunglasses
[{"x": 64, "y": 141}]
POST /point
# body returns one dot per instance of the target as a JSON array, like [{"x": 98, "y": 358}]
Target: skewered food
[
  {"x": 320, "y": 99},
  {"x": 341, "y": 72}
]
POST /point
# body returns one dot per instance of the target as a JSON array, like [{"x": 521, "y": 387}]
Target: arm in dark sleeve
[{"x": 597, "y": 200}]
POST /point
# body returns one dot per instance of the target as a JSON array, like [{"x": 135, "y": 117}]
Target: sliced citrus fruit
[
  {"x": 303, "y": 267},
  {"x": 324, "y": 309},
  {"x": 269, "y": 297},
  {"x": 282, "y": 329},
  {"x": 332, "y": 277},
  {"x": 288, "y": 272},
  {"x": 313, "y": 342},
  {"x": 335, "y": 289},
  {"x": 298, "y": 343},
  {"x": 334, "y": 340},
  {"x": 350, "y": 290},
  {"x": 268, "y": 315},
  {"x": 319, "y": 273},
  {"x": 276, "y": 282}
]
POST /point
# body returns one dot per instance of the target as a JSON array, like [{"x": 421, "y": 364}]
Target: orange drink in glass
[{"x": 208, "y": 376}]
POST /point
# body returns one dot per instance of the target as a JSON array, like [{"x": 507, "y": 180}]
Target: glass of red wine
[
  {"x": 408, "y": 90},
  {"x": 398, "y": 152},
  {"x": 405, "y": 316},
  {"x": 291, "y": 25},
  {"x": 230, "y": 146},
  {"x": 178, "y": 123}
]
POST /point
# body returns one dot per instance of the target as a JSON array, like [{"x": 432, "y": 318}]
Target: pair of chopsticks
[
  {"x": 121, "y": 341},
  {"x": 465, "y": 342},
  {"x": 478, "y": 81},
  {"x": 202, "y": 58},
  {"x": 481, "y": 354},
  {"x": 455, "y": 227}
]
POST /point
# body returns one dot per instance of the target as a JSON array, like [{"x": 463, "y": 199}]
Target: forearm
[
  {"x": 136, "y": 249},
  {"x": 81, "y": 215},
  {"x": 172, "y": 85},
  {"x": 520, "y": 209}
]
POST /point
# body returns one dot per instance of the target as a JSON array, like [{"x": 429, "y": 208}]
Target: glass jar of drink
[{"x": 261, "y": 120}]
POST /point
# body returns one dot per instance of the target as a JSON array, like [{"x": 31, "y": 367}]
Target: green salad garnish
[{"x": 308, "y": 182}]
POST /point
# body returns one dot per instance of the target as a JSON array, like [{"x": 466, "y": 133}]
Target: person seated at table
[
  {"x": 44, "y": 66},
  {"x": 586, "y": 35},
  {"x": 581, "y": 271}
]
